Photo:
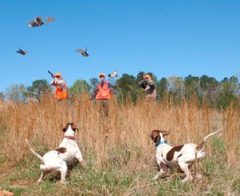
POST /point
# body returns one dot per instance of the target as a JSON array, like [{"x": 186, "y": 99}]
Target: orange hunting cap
[
  {"x": 101, "y": 75},
  {"x": 58, "y": 75},
  {"x": 147, "y": 76}
]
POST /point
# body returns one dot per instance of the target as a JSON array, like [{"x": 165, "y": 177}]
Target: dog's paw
[
  {"x": 155, "y": 177},
  {"x": 39, "y": 181},
  {"x": 63, "y": 182},
  {"x": 188, "y": 178},
  {"x": 199, "y": 176},
  {"x": 83, "y": 164}
]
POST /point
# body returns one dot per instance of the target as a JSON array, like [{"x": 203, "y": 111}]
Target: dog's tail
[
  {"x": 33, "y": 151},
  {"x": 200, "y": 146}
]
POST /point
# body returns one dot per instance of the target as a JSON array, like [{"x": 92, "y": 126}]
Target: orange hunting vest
[
  {"x": 61, "y": 94},
  {"x": 103, "y": 92}
]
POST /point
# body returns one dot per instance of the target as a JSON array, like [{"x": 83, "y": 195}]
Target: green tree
[
  {"x": 127, "y": 87},
  {"x": 80, "y": 86},
  {"x": 162, "y": 88},
  {"x": 209, "y": 89},
  {"x": 139, "y": 76},
  {"x": 176, "y": 88},
  {"x": 208, "y": 83},
  {"x": 229, "y": 89},
  {"x": 192, "y": 86},
  {"x": 38, "y": 88}
]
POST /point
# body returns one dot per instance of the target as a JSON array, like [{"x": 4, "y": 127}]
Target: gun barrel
[{"x": 51, "y": 73}]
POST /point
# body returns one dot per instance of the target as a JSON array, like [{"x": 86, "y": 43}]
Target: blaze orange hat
[
  {"x": 147, "y": 76},
  {"x": 58, "y": 75},
  {"x": 101, "y": 75}
]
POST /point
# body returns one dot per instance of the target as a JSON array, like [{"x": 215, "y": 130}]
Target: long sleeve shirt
[{"x": 59, "y": 83}]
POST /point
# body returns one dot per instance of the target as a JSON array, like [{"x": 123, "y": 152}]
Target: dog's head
[
  {"x": 158, "y": 135},
  {"x": 70, "y": 126}
]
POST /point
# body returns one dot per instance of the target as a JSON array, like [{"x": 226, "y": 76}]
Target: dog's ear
[
  {"x": 74, "y": 127},
  {"x": 154, "y": 134},
  {"x": 65, "y": 128}
]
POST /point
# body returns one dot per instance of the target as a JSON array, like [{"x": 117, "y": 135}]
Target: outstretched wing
[
  {"x": 22, "y": 52},
  {"x": 50, "y": 19}
]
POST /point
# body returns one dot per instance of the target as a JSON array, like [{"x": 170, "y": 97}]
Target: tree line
[{"x": 204, "y": 89}]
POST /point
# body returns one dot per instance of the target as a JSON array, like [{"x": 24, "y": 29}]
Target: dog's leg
[
  {"x": 162, "y": 167},
  {"x": 41, "y": 177},
  {"x": 63, "y": 172},
  {"x": 43, "y": 173},
  {"x": 161, "y": 172},
  {"x": 79, "y": 157},
  {"x": 184, "y": 168}
]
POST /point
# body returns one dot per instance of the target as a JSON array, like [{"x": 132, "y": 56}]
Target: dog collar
[
  {"x": 69, "y": 137},
  {"x": 160, "y": 142}
]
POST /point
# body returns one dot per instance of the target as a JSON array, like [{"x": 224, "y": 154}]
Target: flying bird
[
  {"x": 37, "y": 22},
  {"x": 113, "y": 74},
  {"x": 22, "y": 52},
  {"x": 83, "y": 52}
]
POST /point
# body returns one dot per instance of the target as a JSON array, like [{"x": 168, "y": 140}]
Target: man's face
[
  {"x": 146, "y": 78},
  {"x": 102, "y": 78}
]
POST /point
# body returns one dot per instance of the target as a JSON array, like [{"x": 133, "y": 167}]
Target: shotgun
[{"x": 51, "y": 73}]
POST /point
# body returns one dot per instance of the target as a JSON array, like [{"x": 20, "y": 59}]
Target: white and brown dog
[
  {"x": 182, "y": 156},
  {"x": 62, "y": 157}
]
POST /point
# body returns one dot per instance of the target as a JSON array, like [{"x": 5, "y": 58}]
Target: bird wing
[
  {"x": 50, "y": 19},
  {"x": 79, "y": 50}
]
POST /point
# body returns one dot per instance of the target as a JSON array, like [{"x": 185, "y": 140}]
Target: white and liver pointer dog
[
  {"x": 62, "y": 157},
  {"x": 182, "y": 155}
]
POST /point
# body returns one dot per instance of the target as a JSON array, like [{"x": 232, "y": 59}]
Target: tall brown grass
[{"x": 122, "y": 138}]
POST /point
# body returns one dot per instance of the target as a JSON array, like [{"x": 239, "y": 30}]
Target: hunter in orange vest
[
  {"x": 103, "y": 93},
  {"x": 61, "y": 91}
]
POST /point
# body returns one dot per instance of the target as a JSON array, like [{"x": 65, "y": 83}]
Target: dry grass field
[{"x": 120, "y": 155}]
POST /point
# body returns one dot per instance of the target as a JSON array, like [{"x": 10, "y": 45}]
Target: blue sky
[{"x": 169, "y": 38}]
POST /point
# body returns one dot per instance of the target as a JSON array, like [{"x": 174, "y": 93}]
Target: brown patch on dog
[
  {"x": 171, "y": 152},
  {"x": 61, "y": 150}
]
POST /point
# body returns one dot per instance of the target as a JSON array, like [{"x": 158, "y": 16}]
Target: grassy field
[{"x": 120, "y": 155}]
